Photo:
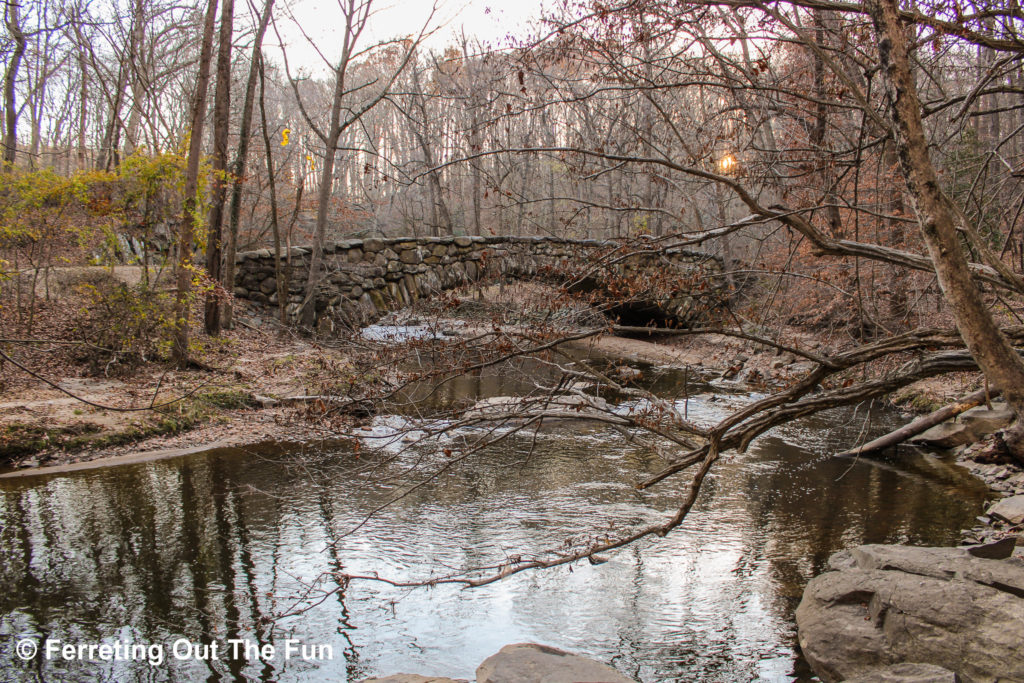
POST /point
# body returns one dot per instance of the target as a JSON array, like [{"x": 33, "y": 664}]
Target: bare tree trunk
[
  {"x": 821, "y": 128},
  {"x": 475, "y": 141},
  {"x": 440, "y": 216},
  {"x": 324, "y": 200},
  {"x": 474, "y": 170},
  {"x": 188, "y": 217},
  {"x": 989, "y": 347},
  {"x": 83, "y": 118},
  {"x": 238, "y": 169},
  {"x": 355, "y": 21},
  {"x": 12, "y": 15},
  {"x": 499, "y": 206},
  {"x": 434, "y": 219},
  {"x": 221, "y": 117},
  {"x": 135, "y": 58},
  {"x": 108, "y": 149},
  {"x": 282, "y": 285}
]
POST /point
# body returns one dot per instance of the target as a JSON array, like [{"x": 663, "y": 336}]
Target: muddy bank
[
  {"x": 109, "y": 461},
  {"x": 79, "y": 418}
]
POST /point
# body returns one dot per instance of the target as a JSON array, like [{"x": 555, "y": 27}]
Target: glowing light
[{"x": 727, "y": 164}]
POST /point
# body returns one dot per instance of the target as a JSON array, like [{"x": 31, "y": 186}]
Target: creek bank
[
  {"x": 907, "y": 614},
  {"x": 1005, "y": 516},
  {"x": 878, "y": 606},
  {"x": 255, "y": 391},
  {"x": 526, "y": 663},
  {"x": 83, "y": 418},
  {"x": 974, "y": 437}
]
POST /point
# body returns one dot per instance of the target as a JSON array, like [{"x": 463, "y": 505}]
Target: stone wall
[{"x": 366, "y": 278}]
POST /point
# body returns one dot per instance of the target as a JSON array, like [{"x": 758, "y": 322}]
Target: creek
[{"x": 207, "y": 547}]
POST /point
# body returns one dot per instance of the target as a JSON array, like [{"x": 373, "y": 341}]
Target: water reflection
[{"x": 210, "y": 546}]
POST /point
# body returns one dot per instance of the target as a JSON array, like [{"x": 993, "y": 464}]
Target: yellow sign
[{"x": 284, "y": 136}]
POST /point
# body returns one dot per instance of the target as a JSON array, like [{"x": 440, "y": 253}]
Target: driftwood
[{"x": 922, "y": 423}]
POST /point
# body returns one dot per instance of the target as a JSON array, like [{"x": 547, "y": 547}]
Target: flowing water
[{"x": 207, "y": 547}]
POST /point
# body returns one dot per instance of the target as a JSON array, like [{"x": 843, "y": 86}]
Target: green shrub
[{"x": 122, "y": 325}]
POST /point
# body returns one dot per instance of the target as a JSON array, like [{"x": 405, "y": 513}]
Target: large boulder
[
  {"x": 882, "y": 605},
  {"x": 532, "y": 663}
]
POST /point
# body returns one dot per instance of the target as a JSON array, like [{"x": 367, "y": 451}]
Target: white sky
[{"x": 485, "y": 20}]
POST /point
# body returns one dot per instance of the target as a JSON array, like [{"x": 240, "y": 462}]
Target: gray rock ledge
[{"x": 880, "y": 606}]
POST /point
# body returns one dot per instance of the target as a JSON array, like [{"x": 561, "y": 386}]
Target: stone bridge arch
[{"x": 366, "y": 278}]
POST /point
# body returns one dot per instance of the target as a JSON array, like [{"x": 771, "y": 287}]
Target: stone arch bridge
[{"x": 363, "y": 279}]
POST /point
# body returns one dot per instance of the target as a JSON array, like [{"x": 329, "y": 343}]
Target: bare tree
[
  {"x": 343, "y": 115},
  {"x": 191, "y": 202},
  {"x": 241, "y": 158},
  {"x": 939, "y": 219},
  {"x": 12, "y": 17},
  {"x": 221, "y": 120}
]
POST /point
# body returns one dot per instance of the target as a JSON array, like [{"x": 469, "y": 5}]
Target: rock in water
[
  {"x": 413, "y": 678},
  {"x": 880, "y": 606},
  {"x": 532, "y": 663}
]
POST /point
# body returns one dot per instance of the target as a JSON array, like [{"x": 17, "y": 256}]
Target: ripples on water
[{"x": 205, "y": 546}]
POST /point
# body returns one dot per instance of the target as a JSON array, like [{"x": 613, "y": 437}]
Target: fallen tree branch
[{"x": 922, "y": 423}]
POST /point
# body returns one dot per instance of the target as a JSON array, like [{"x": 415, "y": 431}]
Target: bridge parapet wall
[{"x": 366, "y": 278}]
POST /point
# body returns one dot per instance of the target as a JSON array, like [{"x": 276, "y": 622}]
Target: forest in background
[{"x": 856, "y": 167}]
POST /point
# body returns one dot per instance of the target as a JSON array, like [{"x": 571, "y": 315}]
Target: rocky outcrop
[
  {"x": 880, "y": 606},
  {"x": 364, "y": 279},
  {"x": 532, "y": 663}
]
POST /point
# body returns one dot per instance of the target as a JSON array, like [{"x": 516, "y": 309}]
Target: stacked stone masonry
[{"x": 366, "y": 278}]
